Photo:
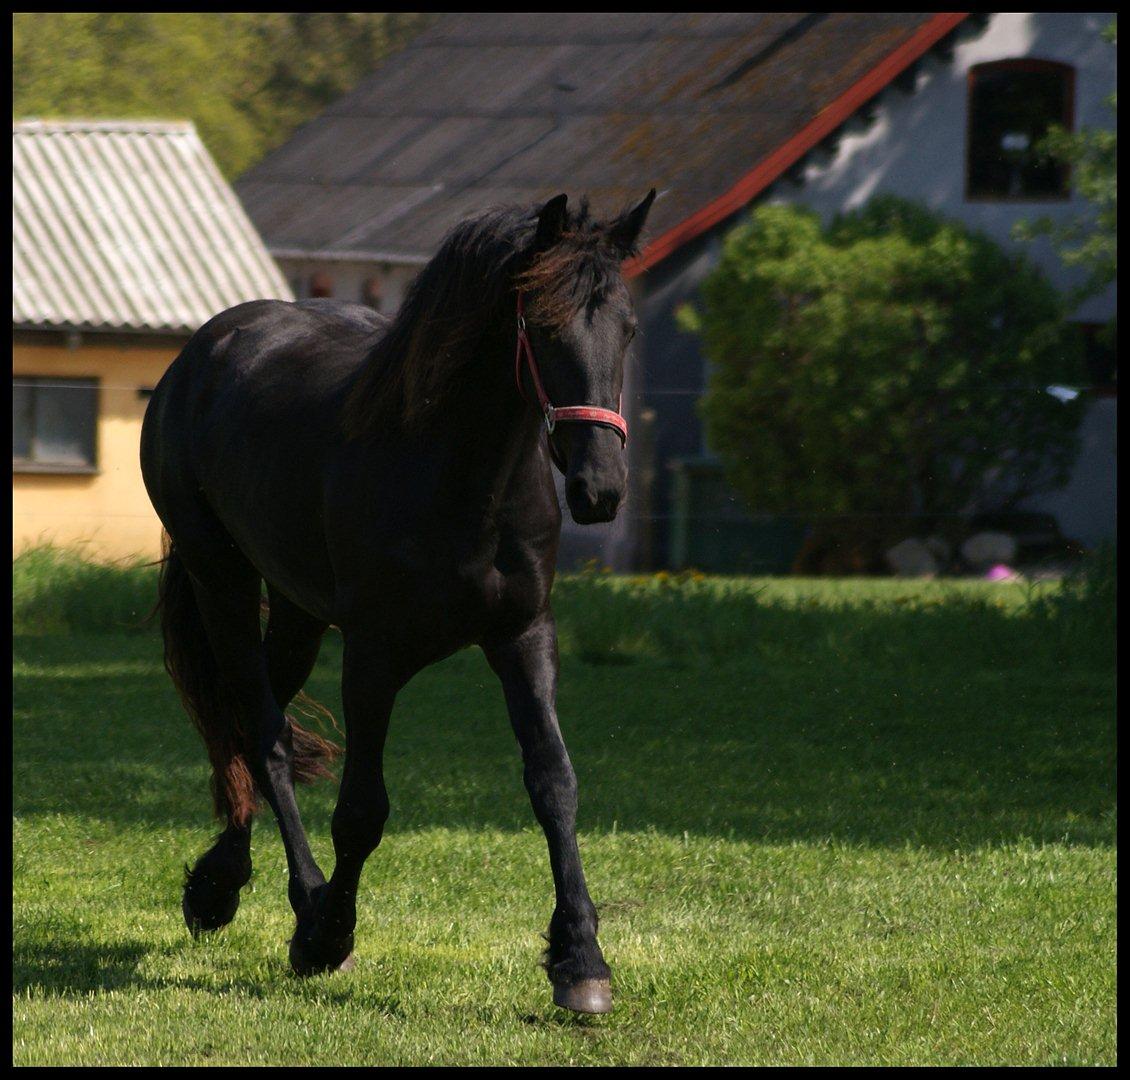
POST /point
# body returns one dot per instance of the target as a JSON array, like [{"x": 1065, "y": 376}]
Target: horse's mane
[{"x": 444, "y": 314}]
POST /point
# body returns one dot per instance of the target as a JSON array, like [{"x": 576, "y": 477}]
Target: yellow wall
[{"x": 108, "y": 514}]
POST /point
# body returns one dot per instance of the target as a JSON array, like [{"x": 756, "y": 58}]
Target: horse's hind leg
[
  {"x": 211, "y": 887},
  {"x": 211, "y": 894},
  {"x": 292, "y": 643},
  {"x": 211, "y": 891},
  {"x": 224, "y": 680}
]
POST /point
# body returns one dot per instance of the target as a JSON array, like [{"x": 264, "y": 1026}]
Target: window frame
[
  {"x": 62, "y": 468},
  {"x": 1029, "y": 64}
]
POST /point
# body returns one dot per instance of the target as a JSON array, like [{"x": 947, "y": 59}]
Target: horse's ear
[
  {"x": 551, "y": 222},
  {"x": 626, "y": 229}
]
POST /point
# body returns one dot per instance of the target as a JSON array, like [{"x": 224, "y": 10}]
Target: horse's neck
[{"x": 491, "y": 432}]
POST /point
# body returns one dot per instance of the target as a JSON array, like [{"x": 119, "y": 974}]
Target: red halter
[{"x": 586, "y": 414}]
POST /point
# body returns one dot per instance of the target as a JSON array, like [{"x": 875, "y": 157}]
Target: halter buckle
[{"x": 550, "y": 417}]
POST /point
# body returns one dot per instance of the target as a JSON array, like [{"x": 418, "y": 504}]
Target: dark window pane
[
  {"x": 23, "y": 419},
  {"x": 65, "y": 420},
  {"x": 1010, "y": 111},
  {"x": 1101, "y": 352}
]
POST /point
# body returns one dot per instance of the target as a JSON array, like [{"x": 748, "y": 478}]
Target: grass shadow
[
  {"x": 63, "y": 968},
  {"x": 929, "y": 718},
  {"x": 61, "y": 964}
]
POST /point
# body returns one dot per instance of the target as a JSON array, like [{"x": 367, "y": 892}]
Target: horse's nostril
[{"x": 578, "y": 492}]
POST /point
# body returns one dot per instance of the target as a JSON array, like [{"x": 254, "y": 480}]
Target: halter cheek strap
[{"x": 583, "y": 414}]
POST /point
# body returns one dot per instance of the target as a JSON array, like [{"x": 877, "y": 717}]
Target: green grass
[{"x": 824, "y": 822}]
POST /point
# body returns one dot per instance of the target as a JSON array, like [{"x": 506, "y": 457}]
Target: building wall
[
  {"x": 348, "y": 279},
  {"x": 671, "y": 377},
  {"x": 106, "y": 514},
  {"x": 915, "y": 145}
]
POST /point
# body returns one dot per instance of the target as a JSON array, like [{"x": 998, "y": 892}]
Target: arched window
[
  {"x": 321, "y": 284},
  {"x": 1012, "y": 103}
]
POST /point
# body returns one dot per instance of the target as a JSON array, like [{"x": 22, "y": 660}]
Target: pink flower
[{"x": 1000, "y": 572}]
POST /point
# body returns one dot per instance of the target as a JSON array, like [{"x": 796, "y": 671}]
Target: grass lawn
[{"x": 824, "y": 823}]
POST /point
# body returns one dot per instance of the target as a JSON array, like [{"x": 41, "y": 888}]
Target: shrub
[
  {"x": 892, "y": 362},
  {"x": 1084, "y": 606},
  {"x": 57, "y": 591}
]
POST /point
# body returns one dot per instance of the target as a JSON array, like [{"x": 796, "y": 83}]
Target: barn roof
[
  {"x": 504, "y": 108},
  {"x": 127, "y": 226}
]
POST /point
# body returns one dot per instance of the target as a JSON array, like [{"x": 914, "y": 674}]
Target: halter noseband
[{"x": 584, "y": 414}]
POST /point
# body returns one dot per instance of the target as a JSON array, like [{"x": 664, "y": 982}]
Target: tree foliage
[
  {"x": 1091, "y": 240},
  {"x": 891, "y": 363},
  {"x": 247, "y": 79}
]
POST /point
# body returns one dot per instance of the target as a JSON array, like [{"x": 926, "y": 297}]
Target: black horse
[{"x": 390, "y": 479}]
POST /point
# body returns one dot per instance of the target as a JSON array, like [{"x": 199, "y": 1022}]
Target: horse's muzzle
[{"x": 590, "y": 504}]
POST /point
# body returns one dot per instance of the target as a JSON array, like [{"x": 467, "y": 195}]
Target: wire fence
[{"x": 51, "y": 436}]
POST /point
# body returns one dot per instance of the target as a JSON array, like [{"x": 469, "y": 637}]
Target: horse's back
[{"x": 236, "y": 433}]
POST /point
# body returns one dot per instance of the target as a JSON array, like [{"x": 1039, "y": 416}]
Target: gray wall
[
  {"x": 915, "y": 146},
  {"x": 349, "y": 277}
]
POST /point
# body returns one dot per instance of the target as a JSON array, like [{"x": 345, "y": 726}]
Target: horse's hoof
[
  {"x": 304, "y": 965},
  {"x": 206, "y": 922},
  {"x": 591, "y": 996}
]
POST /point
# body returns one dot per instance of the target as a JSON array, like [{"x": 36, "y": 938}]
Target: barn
[
  {"x": 125, "y": 239},
  {"x": 718, "y": 111}
]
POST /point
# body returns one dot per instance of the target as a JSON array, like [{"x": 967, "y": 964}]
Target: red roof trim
[{"x": 788, "y": 153}]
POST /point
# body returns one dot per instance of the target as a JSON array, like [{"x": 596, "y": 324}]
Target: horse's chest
[{"x": 439, "y": 587}]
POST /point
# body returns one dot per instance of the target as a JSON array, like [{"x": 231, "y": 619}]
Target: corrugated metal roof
[
  {"x": 128, "y": 226},
  {"x": 485, "y": 108}
]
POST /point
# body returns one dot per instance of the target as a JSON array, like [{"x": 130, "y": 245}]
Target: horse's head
[{"x": 581, "y": 322}]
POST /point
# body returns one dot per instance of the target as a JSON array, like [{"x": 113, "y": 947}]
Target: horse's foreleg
[
  {"x": 527, "y": 667},
  {"x": 324, "y": 940}
]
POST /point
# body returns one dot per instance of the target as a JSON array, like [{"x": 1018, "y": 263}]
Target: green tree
[
  {"x": 887, "y": 364},
  {"x": 247, "y": 79},
  {"x": 1091, "y": 240}
]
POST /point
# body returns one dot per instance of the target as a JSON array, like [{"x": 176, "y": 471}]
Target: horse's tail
[{"x": 211, "y": 707}]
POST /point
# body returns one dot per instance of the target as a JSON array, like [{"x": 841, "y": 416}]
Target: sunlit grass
[{"x": 824, "y": 822}]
